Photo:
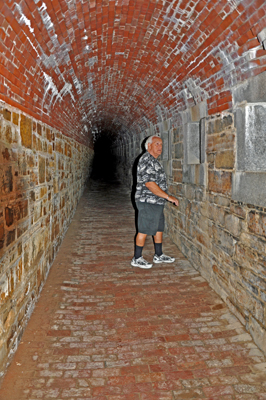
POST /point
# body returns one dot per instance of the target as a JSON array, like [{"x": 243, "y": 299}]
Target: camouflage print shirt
[{"x": 149, "y": 170}]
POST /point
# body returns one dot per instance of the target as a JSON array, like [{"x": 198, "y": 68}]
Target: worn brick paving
[{"x": 103, "y": 330}]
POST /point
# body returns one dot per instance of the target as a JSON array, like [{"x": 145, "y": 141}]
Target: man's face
[{"x": 156, "y": 147}]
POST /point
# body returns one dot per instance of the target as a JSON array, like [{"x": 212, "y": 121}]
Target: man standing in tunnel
[{"x": 151, "y": 194}]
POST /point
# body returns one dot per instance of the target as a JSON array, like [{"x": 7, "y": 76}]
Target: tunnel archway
[
  {"x": 126, "y": 63},
  {"x": 76, "y": 74}
]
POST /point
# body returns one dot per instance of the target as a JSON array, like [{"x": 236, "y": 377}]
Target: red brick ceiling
[{"x": 88, "y": 65}]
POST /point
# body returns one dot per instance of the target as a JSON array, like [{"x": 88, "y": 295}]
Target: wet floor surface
[{"x": 103, "y": 330}]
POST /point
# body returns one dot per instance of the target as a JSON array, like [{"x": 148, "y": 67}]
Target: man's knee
[{"x": 140, "y": 239}]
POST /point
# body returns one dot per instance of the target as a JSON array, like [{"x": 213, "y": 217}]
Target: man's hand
[{"x": 172, "y": 199}]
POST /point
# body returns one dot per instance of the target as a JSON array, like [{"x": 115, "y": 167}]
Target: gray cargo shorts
[{"x": 150, "y": 218}]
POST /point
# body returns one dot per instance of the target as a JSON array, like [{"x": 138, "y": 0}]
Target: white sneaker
[
  {"x": 140, "y": 262},
  {"x": 162, "y": 259}
]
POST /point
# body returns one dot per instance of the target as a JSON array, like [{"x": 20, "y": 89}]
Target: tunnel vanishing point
[{"x": 76, "y": 72}]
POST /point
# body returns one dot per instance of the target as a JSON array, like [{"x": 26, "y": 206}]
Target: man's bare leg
[
  {"x": 140, "y": 239},
  {"x": 158, "y": 238}
]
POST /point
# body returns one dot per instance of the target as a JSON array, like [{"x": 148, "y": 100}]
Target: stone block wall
[
  {"x": 42, "y": 176},
  {"x": 224, "y": 238}
]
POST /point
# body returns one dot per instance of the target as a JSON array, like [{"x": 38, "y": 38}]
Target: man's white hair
[{"x": 150, "y": 139}]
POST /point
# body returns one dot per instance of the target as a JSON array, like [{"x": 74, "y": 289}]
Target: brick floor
[{"x": 105, "y": 331}]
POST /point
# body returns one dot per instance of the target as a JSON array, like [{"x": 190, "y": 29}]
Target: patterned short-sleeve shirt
[{"x": 149, "y": 170}]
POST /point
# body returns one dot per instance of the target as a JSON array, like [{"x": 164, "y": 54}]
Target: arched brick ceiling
[{"x": 88, "y": 65}]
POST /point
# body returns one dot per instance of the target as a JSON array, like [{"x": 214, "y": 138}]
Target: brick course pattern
[
  {"x": 103, "y": 330},
  {"x": 42, "y": 176},
  {"x": 70, "y": 70},
  {"x": 64, "y": 60}
]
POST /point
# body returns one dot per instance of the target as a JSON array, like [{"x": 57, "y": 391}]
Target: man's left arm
[{"x": 155, "y": 189}]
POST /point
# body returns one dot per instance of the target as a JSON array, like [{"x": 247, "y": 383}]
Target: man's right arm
[{"x": 155, "y": 189}]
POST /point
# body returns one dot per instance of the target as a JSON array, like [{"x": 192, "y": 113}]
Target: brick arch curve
[{"x": 81, "y": 65}]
